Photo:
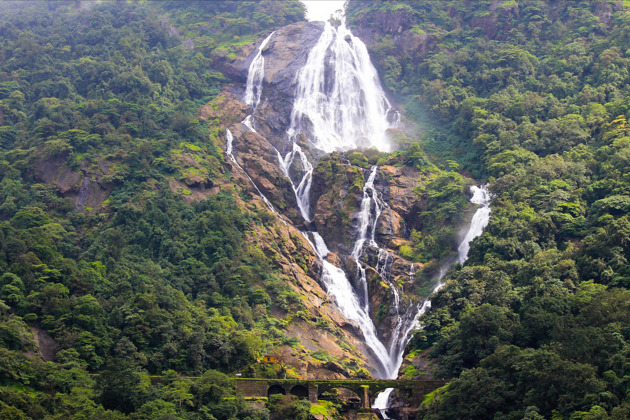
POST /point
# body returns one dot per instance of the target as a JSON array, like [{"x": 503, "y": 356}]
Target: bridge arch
[
  {"x": 299, "y": 391},
  {"x": 275, "y": 389}
]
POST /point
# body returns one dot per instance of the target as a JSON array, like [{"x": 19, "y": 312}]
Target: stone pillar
[
  {"x": 366, "y": 396},
  {"x": 312, "y": 392}
]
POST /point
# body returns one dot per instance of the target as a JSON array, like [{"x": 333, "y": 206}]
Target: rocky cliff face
[
  {"x": 285, "y": 54},
  {"x": 86, "y": 187},
  {"x": 335, "y": 197},
  {"x": 318, "y": 325}
]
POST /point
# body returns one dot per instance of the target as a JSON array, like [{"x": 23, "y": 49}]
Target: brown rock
[
  {"x": 259, "y": 159},
  {"x": 390, "y": 225},
  {"x": 335, "y": 367},
  {"x": 226, "y": 109},
  {"x": 402, "y": 184},
  {"x": 334, "y": 259},
  {"x": 336, "y": 194}
]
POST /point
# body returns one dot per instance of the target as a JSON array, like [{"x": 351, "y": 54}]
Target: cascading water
[
  {"x": 253, "y": 92},
  {"x": 249, "y": 123},
  {"x": 480, "y": 219},
  {"x": 340, "y": 105},
  {"x": 229, "y": 146},
  {"x": 339, "y": 101},
  {"x": 338, "y": 286},
  {"x": 254, "y": 86},
  {"x": 481, "y": 197},
  {"x": 303, "y": 189},
  {"x": 366, "y": 215},
  {"x": 405, "y": 316},
  {"x": 255, "y": 75}
]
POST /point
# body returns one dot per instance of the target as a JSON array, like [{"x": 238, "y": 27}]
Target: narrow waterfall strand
[
  {"x": 303, "y": 190},
  {"x": 255, "y": 76},
  {"x": 229, "y": 140},
  {"x": 340, "y": 289},
  {"x": 481, "y": 197}
]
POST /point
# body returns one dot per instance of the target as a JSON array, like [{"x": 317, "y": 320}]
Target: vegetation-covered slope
[
  {"x": 100, "y": 151},
  {"x": 535, "y": 97},
  {"x": 129, "y": 247}
]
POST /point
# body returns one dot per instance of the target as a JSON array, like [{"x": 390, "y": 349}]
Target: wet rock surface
[
  {"x": 401, "y": 184},
  {"x": 260, "y": 160},
  {"x": 285, "y": 54}
]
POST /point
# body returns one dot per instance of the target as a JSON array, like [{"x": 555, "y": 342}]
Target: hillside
[
  {"x": 533, "y": 96},
  {"x": 174, "y": 205},
  {"x": 133, "y": 246}
]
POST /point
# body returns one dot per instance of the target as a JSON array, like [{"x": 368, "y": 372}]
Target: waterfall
[
  {"x": 255, "y": 75},
  {"x": 249, "y": 123},
  {"x": 229, "y": 140},
  {"x": 482, "y": 198},
  {"x": 367, "y": 219},
  {"x": 303, "y": 189},
  {"x": 339, "y": 105},
  {"x": 253, "y": 92},
  {"x": 253, "y": 88},
  {"x": 339, "y": 101},
  {"x": 340, "y": 289}
]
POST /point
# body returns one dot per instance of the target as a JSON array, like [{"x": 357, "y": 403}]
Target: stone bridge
[{"x": 313, "y": 388}]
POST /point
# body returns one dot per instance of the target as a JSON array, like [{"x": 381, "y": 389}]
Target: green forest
[
  {"x": 145, "y": 284},
  {"x": 155, "y": 297}
]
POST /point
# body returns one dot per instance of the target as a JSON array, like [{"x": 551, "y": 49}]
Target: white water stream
[
  {"x": 255, "y": 75},
  {"x": 342, "y": 292},
  {"x": 339, "y": 101},
  {"x": 339, "y": 105},
  {"x": 303, "y": 189},
  {"x": 371, "y": 208},
  {"x": 480, "y": 219},
  {"x": 481, "y": 197},
  {"x": 253, "y": 92}
]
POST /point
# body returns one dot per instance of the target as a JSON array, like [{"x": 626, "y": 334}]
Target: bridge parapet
[{"x": 313, "y": 388}]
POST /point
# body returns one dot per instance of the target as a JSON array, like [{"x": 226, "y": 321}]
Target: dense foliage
[
  {"x": 143, "y": 283},
  {"x": 534, "y": 97}
]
